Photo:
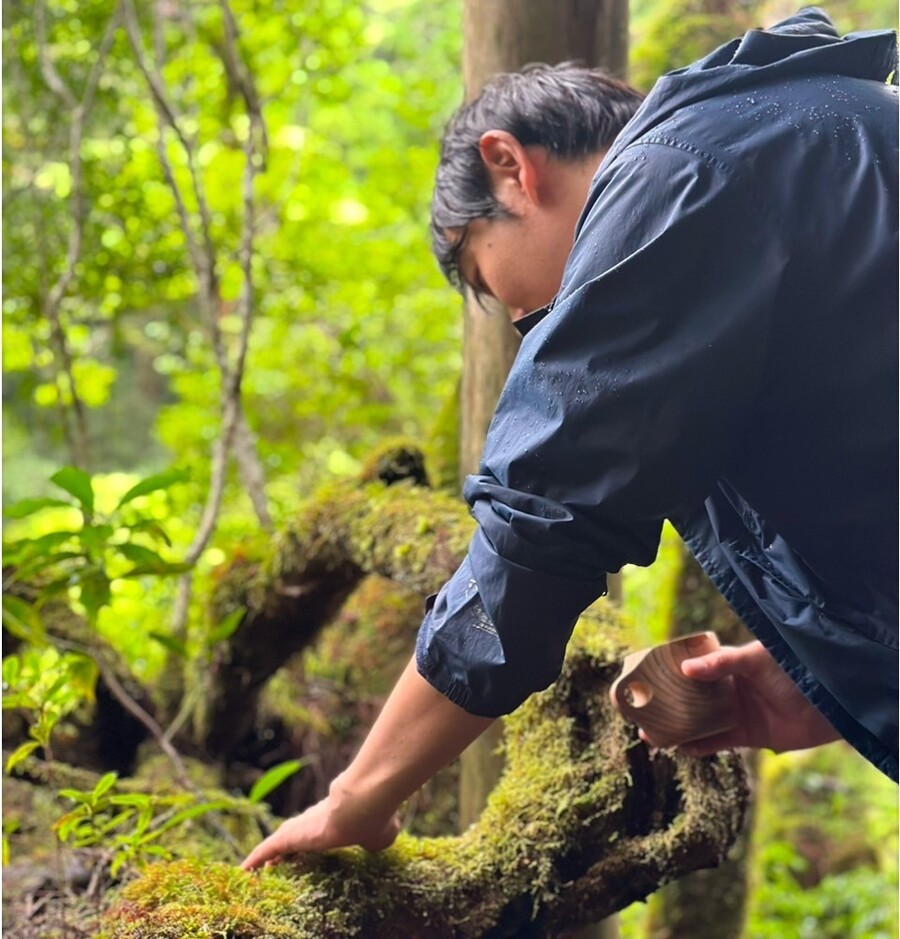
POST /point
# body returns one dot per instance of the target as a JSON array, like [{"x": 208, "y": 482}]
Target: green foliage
[
  {"x": 355, "y": 333},
  {"x": 826, "y": 862},
  {"x": 87, "y": 557},
  {"x": 126, "y": 824},
  {"x": 45, "y": 686},
  {"x": 273, "y": 778}
]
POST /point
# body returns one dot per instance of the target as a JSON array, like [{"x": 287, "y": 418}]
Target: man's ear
[{"x": 513, "y": 172}]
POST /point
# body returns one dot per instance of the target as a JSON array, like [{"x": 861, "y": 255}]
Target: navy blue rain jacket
[{"x": 723, "y": 353}]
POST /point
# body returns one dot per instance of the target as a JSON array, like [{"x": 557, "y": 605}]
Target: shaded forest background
[{"x": 219, "y": 297}]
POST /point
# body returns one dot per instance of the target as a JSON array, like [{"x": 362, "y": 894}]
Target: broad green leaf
[
  {"x": 76, "y": 482},
  {"x": 171, "y": 643},
  {"x": 154, "y": 483},
  {"x": 228, "y": 625},
  {"x": 27, "y": 507},
  {"x": 23, "y": 621},
  {"x": 106, "y": 783},
  {"x": 184, "y": 815},
  {"x": 152, "y": 528},
  {"x": 142, "y": 556},
  {"x": 21, "y": 753},
  {"x": 94, "y": 537},
  {"x": 274, "y": 778},
  {"x": 94, "y": 592}
]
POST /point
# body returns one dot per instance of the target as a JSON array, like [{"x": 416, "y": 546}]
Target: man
[{"x": 719, "y": 348}]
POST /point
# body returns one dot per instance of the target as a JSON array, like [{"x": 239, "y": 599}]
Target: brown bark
[
  {"x": 709, "y": 904},
  {"x": 502, "y": 37}
]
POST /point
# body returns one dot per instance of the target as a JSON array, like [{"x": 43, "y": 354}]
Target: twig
[
  {"x": 118, "y": 691},
  {"x": 203, "y": 256},
  {"x": 79, "y": 110},
  {"x": 255, "y": 155}
]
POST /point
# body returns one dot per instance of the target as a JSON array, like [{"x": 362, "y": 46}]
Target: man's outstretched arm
[{"x": 418, "y": 733}]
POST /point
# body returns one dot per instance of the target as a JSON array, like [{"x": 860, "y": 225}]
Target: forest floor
[{"x": 51, "y": 900}]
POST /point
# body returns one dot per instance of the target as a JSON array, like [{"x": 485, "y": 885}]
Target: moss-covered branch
[
  {"x": 407, "y": 533},
  {"x": 583, "y": 823}
]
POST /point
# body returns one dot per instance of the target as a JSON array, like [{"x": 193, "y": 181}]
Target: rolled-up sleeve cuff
[
  {"x": 489, "y": 663},
  {"x": 457, "y": 642}
]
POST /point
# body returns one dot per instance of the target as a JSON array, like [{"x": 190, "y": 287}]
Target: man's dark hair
[{"x": 570, "y": 111}]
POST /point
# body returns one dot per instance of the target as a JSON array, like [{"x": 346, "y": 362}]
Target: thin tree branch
[
  {"x": 202, "y": 254},
  {"x": 117, "y": 689},
  {"x": 79, "y": 111},
  {"x": 255, "y": 153}
]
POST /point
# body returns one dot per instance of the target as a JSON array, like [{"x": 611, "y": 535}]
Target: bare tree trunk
[
  {"x": 502, "y": 37},
  {"x": 709, "y": 904}
]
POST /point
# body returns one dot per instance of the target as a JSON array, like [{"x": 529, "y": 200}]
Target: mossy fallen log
[{"x": 583, "y": 823}]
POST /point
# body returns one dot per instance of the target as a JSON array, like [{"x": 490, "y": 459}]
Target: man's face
[{"x": 518, "y": 260}]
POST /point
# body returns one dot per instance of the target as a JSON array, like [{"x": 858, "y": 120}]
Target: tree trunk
[
  {"x": 502, "y": 37},
  {"x": 709, "y": 904}
]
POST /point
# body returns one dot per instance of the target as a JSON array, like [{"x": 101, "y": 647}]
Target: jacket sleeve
[{"x": 621, "y": 409}]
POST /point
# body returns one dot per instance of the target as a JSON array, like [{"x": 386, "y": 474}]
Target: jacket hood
[{"x": 804, "y": 44}]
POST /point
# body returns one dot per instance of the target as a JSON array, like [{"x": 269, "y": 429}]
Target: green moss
[
  {"x": 569, "y": 832},
  {"x": 189, "y": 899},
  {"x": 443, "y": 445}
]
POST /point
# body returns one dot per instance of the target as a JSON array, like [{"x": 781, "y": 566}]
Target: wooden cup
[{"x": 670, "y": 708}]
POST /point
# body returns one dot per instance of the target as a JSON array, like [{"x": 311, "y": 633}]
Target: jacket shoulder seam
[{"x": 676, "y": 144}]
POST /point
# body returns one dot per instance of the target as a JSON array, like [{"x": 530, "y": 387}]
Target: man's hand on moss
[
  {"x": 418, "y": 733},
  {"x": 337, "y": 821}
]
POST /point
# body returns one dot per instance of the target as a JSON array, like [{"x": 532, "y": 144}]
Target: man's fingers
[
  {"x": 270, "y": 851},
  {"x": 263, "y": 853},
  {"x": 714, "y": 665}
]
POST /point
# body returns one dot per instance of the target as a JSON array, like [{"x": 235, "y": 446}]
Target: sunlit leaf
[
  {"x": 274, "y": 778},
  {"x": 154, "y": 483},
  {"x": 107, "y": 781},
  {"x": 77, "y": 483},
  {"x": 229, "y": 624},
  {"x": 20, "y": 754},
  {"x": 23, "y": 621},
  {"x": 26, "y": 507}
]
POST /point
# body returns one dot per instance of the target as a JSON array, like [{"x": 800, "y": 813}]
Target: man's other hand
[{"x": 772, "y": 711}]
